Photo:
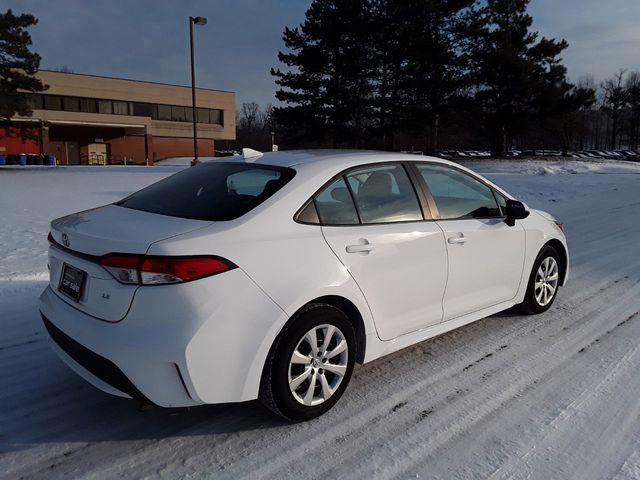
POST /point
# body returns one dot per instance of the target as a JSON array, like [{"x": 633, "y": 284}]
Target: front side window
[
  {"x": 458, "y": 195},
  {"x": 215, "y": 191},
  {"x": 384, "y": 194}
]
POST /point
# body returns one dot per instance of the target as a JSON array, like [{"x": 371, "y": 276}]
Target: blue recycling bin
[
  {"x": 23, "y": 159},
  {"x": 50, "y": 160},
  {"x": 3, "y": 160}
]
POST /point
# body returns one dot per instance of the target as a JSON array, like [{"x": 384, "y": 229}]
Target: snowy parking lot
[{"x": 511, "y": 396}]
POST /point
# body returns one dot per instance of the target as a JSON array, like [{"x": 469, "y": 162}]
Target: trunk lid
[{"x": 82, "y": 238}]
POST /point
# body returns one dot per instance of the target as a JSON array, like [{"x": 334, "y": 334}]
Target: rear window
[{"x": 213, "y": 191}]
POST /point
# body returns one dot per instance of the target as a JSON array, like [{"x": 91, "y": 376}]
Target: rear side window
[
  {"x": 214, "y": 191},
  {"x": 384, "y": 194},
  {"x": 335, "y": 206},
  {"x": 458, "y": 195}
]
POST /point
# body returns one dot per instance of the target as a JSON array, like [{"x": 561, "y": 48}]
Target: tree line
[{"x": 390, "y": 74}]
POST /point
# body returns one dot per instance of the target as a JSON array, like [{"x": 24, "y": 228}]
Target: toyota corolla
[{"x": 269, "y": 276}]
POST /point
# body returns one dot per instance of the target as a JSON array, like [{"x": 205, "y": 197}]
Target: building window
[
  {"x": 178, "y": 114},
  {"x": 143, "y": 109},
  {"x": 52, "y": 102},
  {"x": 164, "y": 112},
  {"x": 121, "y": 108},
  {"x": 175, "y": 113},
  {"x": 36, "y": 102},
  {"x": 215, "y": 116},
  {"x": 71, "y": 104},
  {"x": 105, "y": 106},
  {"x": 88, "y": 105},
  {"x": 203, "y": 115}
]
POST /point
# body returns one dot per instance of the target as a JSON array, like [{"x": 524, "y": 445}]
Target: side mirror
[{"x": 515, "y": 211}]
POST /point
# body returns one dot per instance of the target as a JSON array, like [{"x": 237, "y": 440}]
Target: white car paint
[{"x": 206, "y": 341}]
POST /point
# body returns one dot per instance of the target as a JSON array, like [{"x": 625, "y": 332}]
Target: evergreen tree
[
  {"x": 18, "y": 65},
  {"x": 326, "y": 87},
  {"x": 439, "y": 34},
  {"x": 515, "y": 70}
]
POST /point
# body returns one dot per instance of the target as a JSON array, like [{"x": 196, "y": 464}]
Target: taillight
[{"x": 151, "y": 270}]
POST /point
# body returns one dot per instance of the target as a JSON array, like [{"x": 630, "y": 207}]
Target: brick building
[{"x": 87, "y": 119}]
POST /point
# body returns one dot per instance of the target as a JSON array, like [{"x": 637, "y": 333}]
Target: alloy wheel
[
  {"x": 318, "y": 365},
  {"x": 546, "y": 282}
]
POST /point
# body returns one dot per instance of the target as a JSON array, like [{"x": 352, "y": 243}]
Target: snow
[{"x": 512, "y": 396}]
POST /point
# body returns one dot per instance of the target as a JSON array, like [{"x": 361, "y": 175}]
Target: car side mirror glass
[{"x": 515, "y": 210}]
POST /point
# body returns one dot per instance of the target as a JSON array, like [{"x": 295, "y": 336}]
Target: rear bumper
[
  {"x": 179, "y": 345},
  {"x": 99, "y": 367}
]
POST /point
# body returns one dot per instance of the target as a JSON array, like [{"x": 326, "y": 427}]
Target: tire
[
  {"x": 301, "y": 402},
  {"x": 542, "y": 288}
]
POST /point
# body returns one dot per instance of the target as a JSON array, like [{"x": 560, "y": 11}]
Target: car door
[
  {"x": 373, "y": 222},
  {"x": 486, "y": 256}
]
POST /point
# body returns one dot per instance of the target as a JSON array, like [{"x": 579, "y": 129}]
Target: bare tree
[
  {"x": 632, "y": 87},
  {"x": 615, "y": 99},
  {"x": 253, "y": 126},
  {"x": 249, "y": 116}
]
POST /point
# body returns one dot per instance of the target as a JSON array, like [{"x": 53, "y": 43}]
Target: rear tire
[
  {"x": 544, "y": 282},
  {"x": 305, "y": 375}
]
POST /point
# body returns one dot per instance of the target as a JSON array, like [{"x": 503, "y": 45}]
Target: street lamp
[{"x": 194, "y": 21}]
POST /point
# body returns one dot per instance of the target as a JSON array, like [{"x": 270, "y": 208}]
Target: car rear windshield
[{"x": 212, "y": 191}]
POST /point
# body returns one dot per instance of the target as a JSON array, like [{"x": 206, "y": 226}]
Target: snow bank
[{"x": 549, "y": 396}]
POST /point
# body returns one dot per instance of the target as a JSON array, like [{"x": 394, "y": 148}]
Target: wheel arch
[
  {"x": 347, "y": 307},
  {"x": 559, "y": 247}
]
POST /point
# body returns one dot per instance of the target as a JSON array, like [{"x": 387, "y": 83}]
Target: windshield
[{"x": 212, "y": 191}]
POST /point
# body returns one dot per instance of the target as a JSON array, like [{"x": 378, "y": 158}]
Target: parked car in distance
[{"x": 269, "y": 276}]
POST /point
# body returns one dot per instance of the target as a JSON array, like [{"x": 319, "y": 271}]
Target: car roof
[{"x": 298, "y": 158}]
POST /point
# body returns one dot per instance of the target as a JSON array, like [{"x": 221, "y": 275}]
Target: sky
[{"x": 149, "y": 39}]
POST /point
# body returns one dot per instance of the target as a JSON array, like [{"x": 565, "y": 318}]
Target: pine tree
[
  {"x": 327, "y": 85},
  {"x": 18, "y": 65},
  {"x": 515, "y": 70}
]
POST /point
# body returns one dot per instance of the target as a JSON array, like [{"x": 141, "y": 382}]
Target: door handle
[
  {"x": 458, "y": 240},
  {"x": 363, "y": 246}
]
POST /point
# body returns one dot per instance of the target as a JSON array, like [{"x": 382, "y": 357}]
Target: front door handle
[
  {"x": 363, "y": 246},
  {"x": 457, "y": 240}
]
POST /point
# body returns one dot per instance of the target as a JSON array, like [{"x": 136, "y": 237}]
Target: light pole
[
  {"x": 273, "y": 135},
  {"x": 194, "y": 21}
]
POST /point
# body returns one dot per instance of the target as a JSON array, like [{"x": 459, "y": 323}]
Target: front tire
[
  {"x": 310, "y": 364},
  {"x": 544, "y": 282}
]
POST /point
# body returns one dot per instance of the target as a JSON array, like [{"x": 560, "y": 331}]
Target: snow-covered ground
[{"x": 549, "y": 396}]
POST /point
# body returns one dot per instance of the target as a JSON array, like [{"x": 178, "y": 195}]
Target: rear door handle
[
  {"x": 457, "y": 240},
  {"x": 363, "y": 246}
]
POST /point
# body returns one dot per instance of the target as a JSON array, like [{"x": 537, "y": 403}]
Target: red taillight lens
[
  {"x": 172, "y": 270},
  {"x": 123, "y": 268},
  {"x": 146, "y": 270}
]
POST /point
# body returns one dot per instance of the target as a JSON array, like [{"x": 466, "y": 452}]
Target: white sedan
[{"x": 269, "y": 276}]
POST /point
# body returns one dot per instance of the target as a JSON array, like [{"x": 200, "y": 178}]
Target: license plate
[{"x": 72, "y": 281}]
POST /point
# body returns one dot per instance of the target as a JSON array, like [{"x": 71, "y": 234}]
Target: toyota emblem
[{"x": 65, "y": 239}]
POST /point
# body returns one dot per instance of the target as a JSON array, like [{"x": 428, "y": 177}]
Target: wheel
[
  {"x": 543, "y": 282},
  {"x": 310, "y": 364}
]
